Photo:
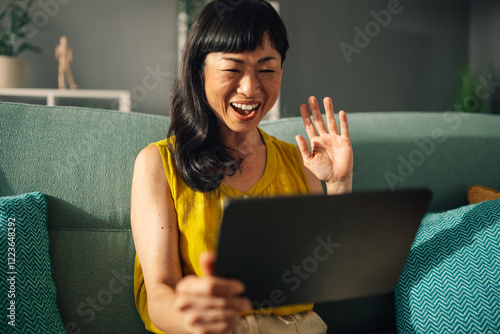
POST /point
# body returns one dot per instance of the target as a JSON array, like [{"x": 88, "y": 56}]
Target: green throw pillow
[
  {"x": 451, "y": 281},
  {"x": 28, "y": 293}
]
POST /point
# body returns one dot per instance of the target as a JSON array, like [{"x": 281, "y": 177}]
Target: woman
[{"x": 229, "y": 79}]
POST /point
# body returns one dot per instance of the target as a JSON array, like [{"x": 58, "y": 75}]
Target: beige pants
[{"x": 303, "y": 323}]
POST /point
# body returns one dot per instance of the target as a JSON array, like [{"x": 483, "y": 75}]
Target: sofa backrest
[
  {"x": 82, "y": 159},
  {"x": 443, "y": 151}
]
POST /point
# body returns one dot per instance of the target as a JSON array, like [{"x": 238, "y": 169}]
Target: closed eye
[
  {"x": 267, "y": 71},
  {"x": 232, "y": 71}
]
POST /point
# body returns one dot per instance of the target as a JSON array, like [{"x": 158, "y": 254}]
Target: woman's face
[{"x": 242, "y": 87}]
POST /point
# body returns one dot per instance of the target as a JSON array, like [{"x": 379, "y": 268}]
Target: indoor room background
[{"x": 378, "y": 55}]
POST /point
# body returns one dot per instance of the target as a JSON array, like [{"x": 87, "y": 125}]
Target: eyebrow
[{"x": 239, "y": 61}]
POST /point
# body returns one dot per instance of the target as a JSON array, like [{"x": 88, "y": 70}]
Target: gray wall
[
  {"x": 410, "y": 64},
  {"x": 116, "y": 45}
]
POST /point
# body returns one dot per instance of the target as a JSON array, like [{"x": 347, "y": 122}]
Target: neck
[{"x": 240, "y": 141}]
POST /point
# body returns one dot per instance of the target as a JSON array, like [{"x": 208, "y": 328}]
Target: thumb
[
  {"x": 303, "y": 147},
  {"x": 207, "y": 260}
]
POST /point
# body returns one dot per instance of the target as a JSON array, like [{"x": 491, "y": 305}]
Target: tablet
[{"x": 302, "y": 249}]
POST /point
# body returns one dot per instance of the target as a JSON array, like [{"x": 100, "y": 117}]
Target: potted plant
[
  {"x": 14, "y": 23},
  {"x": 187, "y": 12},
  {"x": 191, "y": 8},
  {"x": 473, "y": 96}
]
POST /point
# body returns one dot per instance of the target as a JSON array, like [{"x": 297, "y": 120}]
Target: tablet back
[{"x": 289, "y": 250}]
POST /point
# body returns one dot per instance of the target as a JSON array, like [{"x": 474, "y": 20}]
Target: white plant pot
[{"x": 12, "y": 72}]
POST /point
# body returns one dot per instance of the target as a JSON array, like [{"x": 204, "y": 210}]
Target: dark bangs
[{"x": 224, "y": 26}]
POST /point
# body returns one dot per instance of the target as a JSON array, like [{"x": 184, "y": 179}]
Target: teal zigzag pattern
[
  {"x": 33, "y": 292},
  {"x": 451, "y": 280}
]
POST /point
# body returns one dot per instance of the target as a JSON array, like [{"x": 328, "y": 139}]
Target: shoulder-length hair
[{"x": 223, "y": 26}]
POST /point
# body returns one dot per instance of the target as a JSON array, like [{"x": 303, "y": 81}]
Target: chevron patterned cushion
[
  {"x": 451, "y": 280},
  {"x": 477, "y": 193},
  {"x": 28, "y": 293}
]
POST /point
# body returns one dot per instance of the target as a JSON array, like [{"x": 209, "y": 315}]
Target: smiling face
[{"x": 241, "y": 88}]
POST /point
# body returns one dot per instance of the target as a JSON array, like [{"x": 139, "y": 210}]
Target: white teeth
[{"x": 245, "y": 106}]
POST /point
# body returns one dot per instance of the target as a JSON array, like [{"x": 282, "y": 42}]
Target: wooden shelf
[{"x": 53, "y": 96}]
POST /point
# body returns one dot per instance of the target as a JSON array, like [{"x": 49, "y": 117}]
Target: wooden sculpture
[{"x": 64, "y": 54}]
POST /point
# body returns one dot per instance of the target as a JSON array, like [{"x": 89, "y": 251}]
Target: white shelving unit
[{"x": 53, "y": 96}]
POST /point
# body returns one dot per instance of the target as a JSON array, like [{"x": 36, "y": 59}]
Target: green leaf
[
  {"x": 467, "y": 99},
  {"x": 28, "y": 47},
  {"x": 14, "y": 25},
  {"x": 4, "y": 13}
]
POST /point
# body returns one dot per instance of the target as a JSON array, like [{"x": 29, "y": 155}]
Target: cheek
[
  {"x": 272, "y": 87},
  {"x": 218, "y": 85},
  {"x": 217, "y": 92}
]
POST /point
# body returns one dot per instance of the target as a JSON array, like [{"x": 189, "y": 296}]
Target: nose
[{"x": 249, "y": 85}]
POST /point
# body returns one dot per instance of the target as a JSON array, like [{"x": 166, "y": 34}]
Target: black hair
[{"x": 223, "y": 26}]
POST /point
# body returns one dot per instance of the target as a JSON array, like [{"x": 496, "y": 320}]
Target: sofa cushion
[
  {"x": 82, "y": 160},
  {"x": 477, "y": 194},
  {"x": 28, "y": 290},
  {"x": 451, "y": 280}
]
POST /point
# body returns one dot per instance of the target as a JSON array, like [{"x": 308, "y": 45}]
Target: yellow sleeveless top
[{"x": 199, "y": 214}]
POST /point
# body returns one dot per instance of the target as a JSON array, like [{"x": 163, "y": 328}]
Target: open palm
[{"x": 330, "y": 157}]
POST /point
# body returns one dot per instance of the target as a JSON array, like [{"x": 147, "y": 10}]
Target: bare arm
[
  {"x": 175, "y": 304},
  {"x": 155, "y": 232}
]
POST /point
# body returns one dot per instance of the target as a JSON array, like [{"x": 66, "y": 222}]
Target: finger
[
  {"x": 245, "y": 305},
  {"x": 303, "y": 147},
  {"x": 209, "y": 286},
  {"x": 220, "y": 321},
  {"x": 207, "y": 260},
  {"x": 218, "y": 314},
  {"x": 212, "y": 320},
  {"x": 238, "y": 304},
  {"x": 318, "y": 119},
  {"x": 213, "y": 328},
  {"x": 330, "y": 117},
  {"x": 189, "y": 302},
  {"x": 203, "y": 303},
  {"x": 308, "y": 124},
  {"x": 344, "y": 124}
]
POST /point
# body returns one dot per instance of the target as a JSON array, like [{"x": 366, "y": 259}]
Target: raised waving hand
[{"x": 330, "y": 157}]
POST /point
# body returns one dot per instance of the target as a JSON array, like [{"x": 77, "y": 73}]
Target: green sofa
[{"x": 82, "y": 159}]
